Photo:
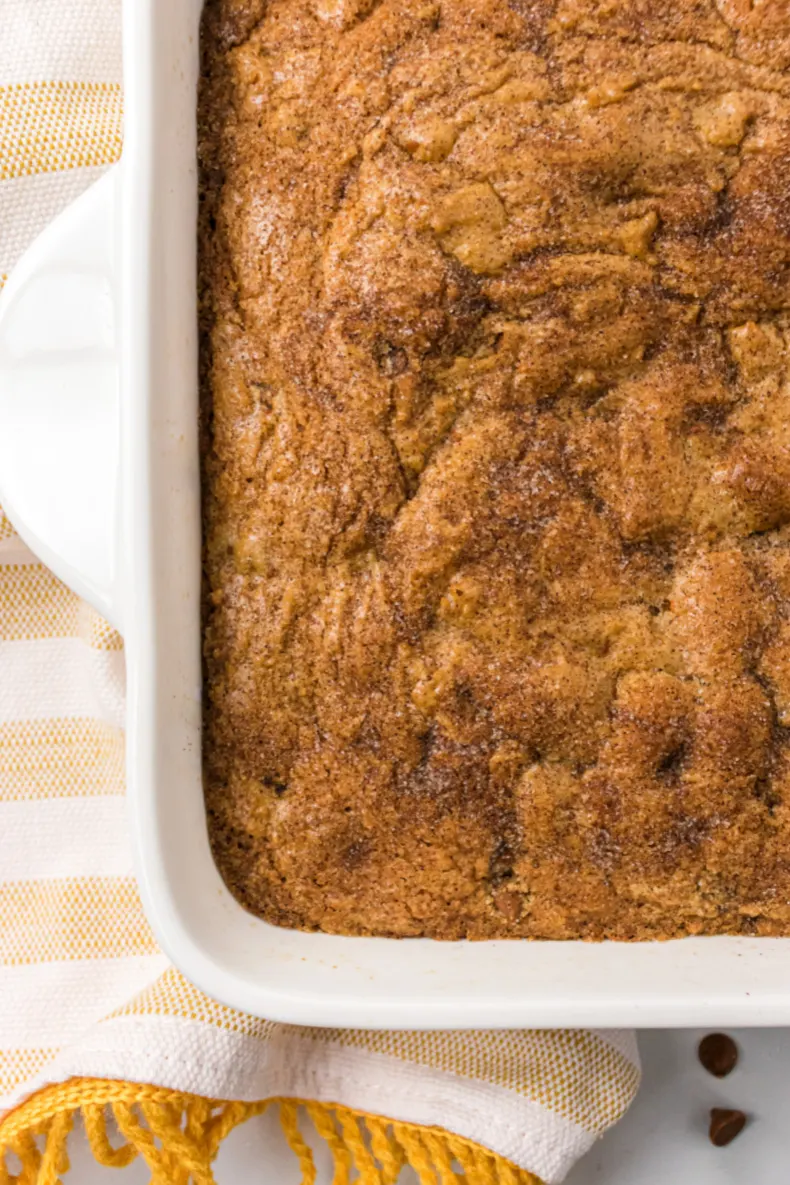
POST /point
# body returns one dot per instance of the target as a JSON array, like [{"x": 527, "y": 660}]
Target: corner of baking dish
[{"x": 150, "y": 585}]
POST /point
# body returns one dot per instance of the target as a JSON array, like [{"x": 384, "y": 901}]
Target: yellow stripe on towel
[
  {"x": 76, "y": 918},
  {"x": 47, "y": 126},
  {"x": 61, "y": 758}
]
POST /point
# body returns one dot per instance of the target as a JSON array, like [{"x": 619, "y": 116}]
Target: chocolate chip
[
  {"x": 718, "y": 1054},
  {"x": 274, "y": 784},
  {"x": 392, "y": 360},
  {"x": 508, "y": 903},
  {"x": 725, "y": 1125}
]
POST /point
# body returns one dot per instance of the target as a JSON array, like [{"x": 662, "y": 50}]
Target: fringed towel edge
[{"x": 178, "y": 1135}]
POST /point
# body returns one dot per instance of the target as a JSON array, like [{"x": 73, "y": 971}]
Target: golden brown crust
[{"x": 497, "y": 464}]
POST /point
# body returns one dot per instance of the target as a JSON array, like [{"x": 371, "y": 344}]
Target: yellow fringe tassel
[{"x": 178, "y": 1135}]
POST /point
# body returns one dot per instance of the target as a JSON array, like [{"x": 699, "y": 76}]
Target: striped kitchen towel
[{"x": 92, "y": 1019}]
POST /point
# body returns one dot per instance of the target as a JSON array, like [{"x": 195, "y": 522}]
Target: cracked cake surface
[{"x": 495, "y": 423}]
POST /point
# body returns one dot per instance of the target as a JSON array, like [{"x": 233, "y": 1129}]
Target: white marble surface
[{"x": 662, "y": 1140}]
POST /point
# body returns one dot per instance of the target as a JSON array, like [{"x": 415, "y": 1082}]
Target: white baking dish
[{"x": 122, "y": 526}]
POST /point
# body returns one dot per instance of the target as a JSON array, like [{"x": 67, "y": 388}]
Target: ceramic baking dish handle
[{"x": 59, "y": 412}]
